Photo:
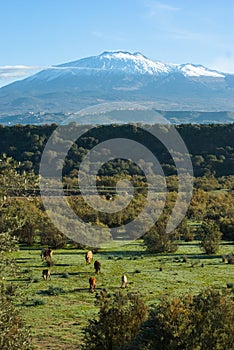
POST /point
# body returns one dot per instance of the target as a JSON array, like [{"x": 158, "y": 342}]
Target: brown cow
[
  {"x": 124, "y": 281},
  {"x": 46, "y": 274},
  {"x": 46, "y": 253},
  {"x": 92, "y": 284},
  {"x": 97, "y": 266},
  {"x": 88, "y": 257}
]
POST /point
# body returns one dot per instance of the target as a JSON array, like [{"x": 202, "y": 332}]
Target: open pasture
[{"x": 58, "y": 308}]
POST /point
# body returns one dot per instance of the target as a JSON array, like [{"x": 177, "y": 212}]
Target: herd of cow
[{"x": 48, "y": 253}]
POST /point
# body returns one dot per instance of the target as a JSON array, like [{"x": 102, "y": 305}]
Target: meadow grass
[{"x": 57, "y": 321}]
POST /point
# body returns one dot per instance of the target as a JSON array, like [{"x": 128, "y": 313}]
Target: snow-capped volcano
[
  {"x": 121, "y": 61},
  {"x": 116, "y": 76},
  {"x": 130, "y": 63}
]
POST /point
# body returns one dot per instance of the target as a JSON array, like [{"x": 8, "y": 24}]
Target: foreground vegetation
[
  {"x": 171, "y": 275},
  {"x": 59, "y": 309}
]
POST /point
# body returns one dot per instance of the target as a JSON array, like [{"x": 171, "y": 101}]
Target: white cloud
[{"x": 9, "y": 74}]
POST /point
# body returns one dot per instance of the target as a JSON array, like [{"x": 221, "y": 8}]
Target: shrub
[
  {"x": 205, "y": 321},
  {"x": 119, "y": 321},
  {"x": 11, "y": 289},
  {"x": 33, "y": 302},
  {"x": 14, "y": 335},
  {"x": 52, "y": 290},
  {"x": 65, "y": 275},
  {"x": 210, "y": 236},
  {"x": 184, "y": 230},
  {"x": 37, "y": 302},
  {"x": 212, "y": 321},
  {"x": 157, "y": 240},
  {"x": 52, "y": 237}
]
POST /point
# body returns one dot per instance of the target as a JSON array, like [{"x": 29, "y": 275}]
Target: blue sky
[{"x": 36, "y": 34}]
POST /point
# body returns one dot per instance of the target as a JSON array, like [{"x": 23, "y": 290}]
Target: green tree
[
  {"x": 22, "y": 218},
  {"x": 212, "y": 321},
  {"x": 118, "y": 322},
  {"x": 205, "y": 321},
  {"x": 184, "y": 230},
  {"x": 210, "y": 236},
  {"x": 14, "y": 335},
  {"x": 50, "y": 235},
  {"x": 158, "y": 240},
  {"x": 167, "y": 327}
]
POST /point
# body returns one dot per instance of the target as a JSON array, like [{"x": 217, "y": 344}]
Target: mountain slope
[{"x": 117, "y": 76}]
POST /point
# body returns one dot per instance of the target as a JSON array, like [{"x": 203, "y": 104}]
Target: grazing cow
[
  {"x": 46, "y": 253},
  {"x": 92, "y": 284},
  {"x": 46, "y": 274},
  {"x": 88, "y": 257},
  {"x": 97, "y": 266},
  {"x": 124, "y": 281}
]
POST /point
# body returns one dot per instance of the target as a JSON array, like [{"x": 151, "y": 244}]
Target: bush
[
  {"x": 14, "y": 335},
  {"x": 11, "y": 289},
  {"x": 37, "y": 302},
  {"x": 212, "y": 320},
  {"x": 184, "y": 230},
  {"x": 65, "y": 275},
  {"x": 210, "y": 236},
  {"x": 157, "y": 240},
  {"x": 119, "y": 321},
  {"x": 52, "y": 237},
  {"x": 205, "y": 321},
  {"x": 33, "y": 302},
  {"x": 54, "y": 290}
]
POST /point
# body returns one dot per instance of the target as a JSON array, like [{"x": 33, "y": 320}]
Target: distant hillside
[{"x": 174, "y": 117}]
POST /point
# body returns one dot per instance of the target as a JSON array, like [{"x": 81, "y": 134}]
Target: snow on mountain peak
[
  {"x": 192, "y": 70},
  {"x": 134, "y": 63},
  {"x": 121, "y": 61}
]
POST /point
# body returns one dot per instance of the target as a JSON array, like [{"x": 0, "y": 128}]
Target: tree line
[{"x": 209, "y": 218}]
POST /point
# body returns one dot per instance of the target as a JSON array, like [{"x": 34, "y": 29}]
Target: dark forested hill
[{"x": 211, "y": 146}]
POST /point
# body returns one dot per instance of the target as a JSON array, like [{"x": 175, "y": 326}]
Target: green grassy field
[{"x": 57, "y": 323}]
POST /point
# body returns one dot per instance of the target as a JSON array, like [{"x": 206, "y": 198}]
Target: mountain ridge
[{"x": 119, "y": 76}]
